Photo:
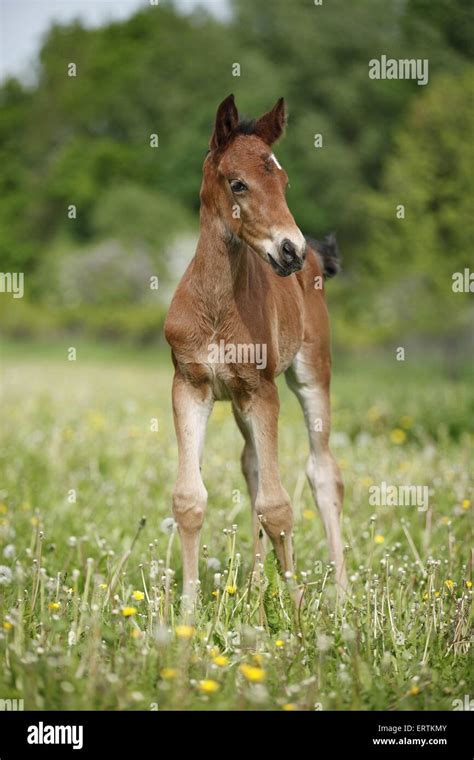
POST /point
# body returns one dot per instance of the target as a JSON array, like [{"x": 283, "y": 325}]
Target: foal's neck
[{"x": 220, "y": 263}]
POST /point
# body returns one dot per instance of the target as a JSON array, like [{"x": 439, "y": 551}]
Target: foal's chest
[
  {"x": 229, "y": 366},
  {"x": 233, "y": 350}
]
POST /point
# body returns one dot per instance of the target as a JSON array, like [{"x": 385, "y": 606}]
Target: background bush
[{"x": 85, "y": 140}]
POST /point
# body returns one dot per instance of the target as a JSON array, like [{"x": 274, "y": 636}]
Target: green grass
[{"x": 399, "y": 641}]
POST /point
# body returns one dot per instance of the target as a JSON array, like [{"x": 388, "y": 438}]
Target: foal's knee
[
  {"x": 276, "y": 516},
  {"x": 189, "y": 508}
]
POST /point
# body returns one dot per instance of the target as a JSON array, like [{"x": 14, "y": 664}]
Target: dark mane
[{"x": 246, "y": 127}]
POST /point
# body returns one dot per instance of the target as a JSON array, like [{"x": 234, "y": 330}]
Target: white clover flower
[
  {"x": 323, "y": 642},
  {"x": 162, "y": 635},
  {"x": 348, "y": 634},
  {"x": 168, "y": 525},
  {"x": 258, "y": 693},
  {"x": 6, "y": 575}
]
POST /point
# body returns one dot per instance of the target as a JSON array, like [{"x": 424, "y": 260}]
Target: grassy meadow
[{"x": 89, "y": 591}]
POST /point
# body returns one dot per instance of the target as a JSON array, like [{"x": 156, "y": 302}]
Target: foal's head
[{"x": 245, "y": 186}]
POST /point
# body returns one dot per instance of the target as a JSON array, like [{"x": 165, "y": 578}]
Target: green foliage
[
  {"x": 401, "y": 639},
  {"x": 85, "y": 141},
  {"x": 138, "y": 323},
  {"x": 271, "y": 597},
  {"x": 138, "y": 215},
  {"x": 430, "y": 174}
]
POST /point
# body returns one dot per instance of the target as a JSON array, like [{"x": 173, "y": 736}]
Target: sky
[{"x": 23, "y": 23}]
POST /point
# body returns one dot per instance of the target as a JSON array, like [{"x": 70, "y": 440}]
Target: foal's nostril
[{"x": 288, "y": 252}]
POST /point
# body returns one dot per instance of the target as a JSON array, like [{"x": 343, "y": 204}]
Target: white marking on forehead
[{"x": 274, "y": 158}]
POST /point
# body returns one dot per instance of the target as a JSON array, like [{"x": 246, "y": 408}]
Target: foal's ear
[
  {"x": 271, "y": 125},
  {"x": 227, "y": 119}
]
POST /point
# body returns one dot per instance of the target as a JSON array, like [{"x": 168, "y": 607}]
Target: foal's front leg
[
  {"x": 191, "y": 409},
  {"x": 272, "y": 502}
]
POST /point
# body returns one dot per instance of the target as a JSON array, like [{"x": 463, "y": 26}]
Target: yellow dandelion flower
[
  {"x": 184, "y": 631},
  {"x": 96, "y": 420},
  {"x": 379, "y": 539},
  {"x": 3, "y": 508},
  {"x": 168, "y": 673},
  {"x": 34, "y": 521},
  {"x": 367, "y": 481},
  {"x": 449, "y": 584},
  {"x": 398, "y": 436},
  {"x": 406, "y": 422},
  {"x": 54, "y": 606},
  {"x": 289, "y": 707},
  {"x": 252, "y": 673},
  {"x": 221, "y": 660},
  {"x": 426, "y": 596},
  {"x": 214, "y": 593},
  {"x": 208, "y": 686},
  {"x": 231, "y": 590},
  {"x": 437, "y": 594},
  {"x": 308, "y": 514},
  {"x": 374, "y": 414},
  {"x": 414, "y": 691},
  {"x": 103, "y": 585},
  {"x": 279, "y": 643},
  {"x": 7, "y": 626},
  {"x": 468, "y": 584},
  {"x": 466, "y": 503},
  {"x": 138, "y": 596},
  {"x": 129, "y": 611}
]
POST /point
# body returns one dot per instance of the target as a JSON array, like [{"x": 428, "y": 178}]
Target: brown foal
[{"x": 247, "y": 288}]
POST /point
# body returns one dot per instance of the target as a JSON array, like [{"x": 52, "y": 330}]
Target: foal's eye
[{"x": 237, "y": 186}]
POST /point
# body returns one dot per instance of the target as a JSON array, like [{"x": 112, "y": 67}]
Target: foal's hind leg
[
  {"x": 309, "y": 378},
  {"x": 249, "y": 464}
]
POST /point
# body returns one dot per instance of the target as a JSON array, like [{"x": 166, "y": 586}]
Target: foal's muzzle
[{"x": 290, "y": 261}]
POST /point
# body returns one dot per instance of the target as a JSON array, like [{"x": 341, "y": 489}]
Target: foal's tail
[{"x": 327, "y": 253}]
